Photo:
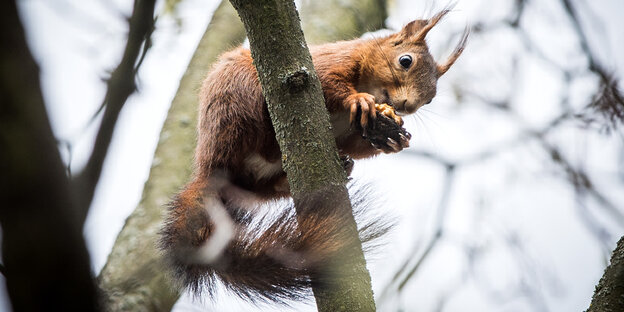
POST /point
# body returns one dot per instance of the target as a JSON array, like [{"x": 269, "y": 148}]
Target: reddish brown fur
[{"x": 234, "y": 125}]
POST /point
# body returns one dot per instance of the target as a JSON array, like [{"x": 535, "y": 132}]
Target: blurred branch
[
  {"x": 120, "y": 86},
  {"x": 585, "y": 46},
  {"x": 608, "y": 99},
  {"x": 595, "y": 228},
  {"x": 438, "y": 228},
  {"x": 527, "y": 282},
  {"x": 398, "y": 281},
  {"x": 582, "y": 183},
  {"x": 449, "y": 292}
]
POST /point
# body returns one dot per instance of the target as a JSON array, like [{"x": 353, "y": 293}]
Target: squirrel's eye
[{"x": 405, "y": 61}]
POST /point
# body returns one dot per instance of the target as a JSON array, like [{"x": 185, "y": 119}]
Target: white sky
[{"x": 515, "y": 197}]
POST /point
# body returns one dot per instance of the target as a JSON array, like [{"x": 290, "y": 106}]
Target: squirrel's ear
[
  {"x": 412, "y": 28},
  {"x": 422, "y": 33},
  {"x": 442, "y": 68},
  {"x": 417, "y": 30}
]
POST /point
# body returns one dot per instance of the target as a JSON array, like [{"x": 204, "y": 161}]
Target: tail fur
[{"x": 209, "y": 238}]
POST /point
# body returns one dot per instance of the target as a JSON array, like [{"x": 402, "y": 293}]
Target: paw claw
[
  {"x": 404, "y": 140},
  {"x": 394, "y": 145}
]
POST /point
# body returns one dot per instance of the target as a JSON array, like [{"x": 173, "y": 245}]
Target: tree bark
[
  {"x": 609, "y": 293},
  {"x": 134, "y": 278},
  {"x": 43, "y": 251},
  {"x": 309, "y": 156}
]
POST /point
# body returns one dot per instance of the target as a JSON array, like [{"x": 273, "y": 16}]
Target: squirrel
[{"x": 209, "y": 234}]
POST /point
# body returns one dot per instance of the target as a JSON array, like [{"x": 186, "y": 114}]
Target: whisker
[
  {"x": 430, "y": 119},
  {"x": 429, "y": 136},
  {"x": 434, "y": 113}
]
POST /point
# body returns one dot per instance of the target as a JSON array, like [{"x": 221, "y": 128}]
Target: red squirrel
[{"x": 367, "y": 84}]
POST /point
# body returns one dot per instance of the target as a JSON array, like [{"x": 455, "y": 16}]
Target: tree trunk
[
  {"x": 609, "y": 293},
  {"x": 43, "y": 251},
  {"x": 309, "y": 156},
  {"x": 134, "y": 278}
]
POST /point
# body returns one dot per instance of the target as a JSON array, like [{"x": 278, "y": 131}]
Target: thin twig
[{"x": 438, "y": 233}]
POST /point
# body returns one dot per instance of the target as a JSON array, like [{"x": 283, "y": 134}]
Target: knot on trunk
[{"x": 297, "y": 81}]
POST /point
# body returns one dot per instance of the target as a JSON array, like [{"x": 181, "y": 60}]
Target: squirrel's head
[{"x": 400, "y": 70}]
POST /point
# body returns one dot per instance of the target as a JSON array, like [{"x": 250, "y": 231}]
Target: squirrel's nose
[{"x": 401, "y": 104}]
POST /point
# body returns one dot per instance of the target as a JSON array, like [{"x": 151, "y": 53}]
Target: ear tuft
[
  {"x": 430, "y": 24},
  {"x": 443, "y": 68},
  {"x": 409, "y": 30},
  {"x": 417, "y": 30}
]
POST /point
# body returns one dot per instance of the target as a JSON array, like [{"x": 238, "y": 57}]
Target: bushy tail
[{"x": 270, "y": 257}]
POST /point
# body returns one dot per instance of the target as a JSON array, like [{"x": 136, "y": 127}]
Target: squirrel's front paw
[
  {"x": 366, "y": 104},
  {"x": 387, "y": 135}
]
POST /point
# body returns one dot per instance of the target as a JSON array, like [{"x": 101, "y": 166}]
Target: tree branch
[{"x": 120, "y": 86}]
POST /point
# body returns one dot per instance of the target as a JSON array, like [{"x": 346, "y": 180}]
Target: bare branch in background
[
  {"x": 404, "y": 274},
  {"x": 121, "y": 85},
  {"x": 582, "y": 183},
  {"x": 438, "y": 230},
  {"x": 608, "y": 99}
]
